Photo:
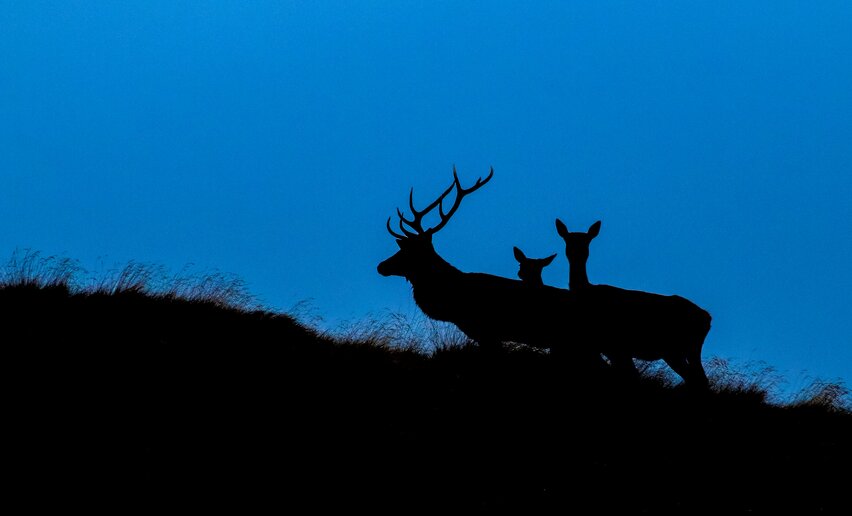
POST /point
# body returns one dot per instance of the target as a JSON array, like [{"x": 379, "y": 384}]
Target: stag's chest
[{"x": 437, "y": 302}]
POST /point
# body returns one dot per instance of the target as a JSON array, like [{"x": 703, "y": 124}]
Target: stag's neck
[
  {"x": 438, "y": 272},
  {"x": 577, "y": 278},
  {"x": 435, "y": 291}
]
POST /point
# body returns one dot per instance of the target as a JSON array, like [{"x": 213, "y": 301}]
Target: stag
[
  {"x": 621, "y": 324},
  {"x": 529, "y": 269}
]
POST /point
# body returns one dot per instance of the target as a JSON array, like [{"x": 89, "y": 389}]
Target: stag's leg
[
  {"x": 577, "y": 366},
  {"x": 597, "y": 362},
  {"x": 624, "y": 364},
  {"x": 489, "y": 346},
  {"x": 590, "y": 361}
]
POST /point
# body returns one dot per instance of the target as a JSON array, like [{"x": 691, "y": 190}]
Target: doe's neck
[{"x": 577, "y": 277}]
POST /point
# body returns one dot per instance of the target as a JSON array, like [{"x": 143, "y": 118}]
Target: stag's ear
[
  {"x": 401, "y": 243},
  {"x": 519, "y": 255},
  {"x": 561, "y": 229},
  {"x": 594, "y": 229},
  {"x": 546, "y": 261}
]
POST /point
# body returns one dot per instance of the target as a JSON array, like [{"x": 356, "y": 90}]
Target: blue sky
[{"x": 273, "y": 139}]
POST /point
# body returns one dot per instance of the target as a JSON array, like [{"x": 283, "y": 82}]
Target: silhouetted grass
[
  {"x": 173, "y": 393},
  {"x": 757, "y": 380},
  {"x": 28, "y": 268},
  {"x": 414, "y": 332},
  {"x": 824, "y": 395}
]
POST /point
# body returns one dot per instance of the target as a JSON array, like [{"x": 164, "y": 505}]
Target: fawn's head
[
  {"x": 577, "y": 243},
  {"x": 530, "y": 268},
  {"x": 416, "y": 257}
]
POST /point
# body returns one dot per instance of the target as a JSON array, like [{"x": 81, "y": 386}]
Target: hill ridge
[{"x": 159, "y": 396}]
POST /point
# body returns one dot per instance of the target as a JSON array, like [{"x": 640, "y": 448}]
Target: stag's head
[
  {"x": 577, "y": 243},
  {"x": 529, "y": 269},
  {"x": 416, "y": 257}
]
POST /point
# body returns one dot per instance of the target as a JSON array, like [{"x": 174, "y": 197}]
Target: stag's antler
[
  {"x": 460, "y": 193},
  {"x": 416, "y": 222}
]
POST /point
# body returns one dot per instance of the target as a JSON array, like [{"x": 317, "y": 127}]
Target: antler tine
[
  {"x": 478, "y": 184},
  {"x": 392, "y": 232},
  {"x": 460, "y": 193},
  {"x": 414, "y": 224},
  {"x": 417, "y": 215},
  {"x": 405, "y": 231}
]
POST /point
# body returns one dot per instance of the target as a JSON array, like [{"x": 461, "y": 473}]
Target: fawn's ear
[
  {"x": 519, "y": 255},
  {"x": 546, "y": 261},
  {"x": 594, "y": 229},
  {"x": 561, "y": 229}
]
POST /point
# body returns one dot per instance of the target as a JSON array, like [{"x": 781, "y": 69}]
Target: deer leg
[
  {"x": 489, "y": 345},
  {"x": 680, "y": 366},
  {"x": 597, "y": 363},
  {"x": 698, "y": 377},
  {"x": 587, "y": 361},
  {"x": 624, "y": 363}
]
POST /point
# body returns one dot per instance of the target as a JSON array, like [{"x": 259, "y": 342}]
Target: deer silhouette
[
  {"x": 577, "y": 251},
  {"x": 529, "y": 269},
  {"x": 621, "y": 324},
  {"x": 488, "y": 309},
  {"x": 686, "y": 361}
]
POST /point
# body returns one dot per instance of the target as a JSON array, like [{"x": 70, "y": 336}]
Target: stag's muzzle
[{"x": 383, "y": 269}]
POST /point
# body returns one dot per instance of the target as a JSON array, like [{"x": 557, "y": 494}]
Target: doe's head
[
  {"x": 577, "y": 242},
  {"x": 529, "y": 269}
]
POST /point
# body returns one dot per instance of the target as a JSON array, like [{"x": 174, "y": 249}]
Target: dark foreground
[{"x": 130, "y": 401}]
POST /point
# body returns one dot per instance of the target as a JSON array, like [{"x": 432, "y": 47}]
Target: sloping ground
[{"x": 129, "y": 400}]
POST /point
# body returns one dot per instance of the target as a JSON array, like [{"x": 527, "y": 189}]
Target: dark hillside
[{"x": 148, "y": 400}]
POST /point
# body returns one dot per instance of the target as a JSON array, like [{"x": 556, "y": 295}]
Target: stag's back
[{"x": 491, "y": 308}]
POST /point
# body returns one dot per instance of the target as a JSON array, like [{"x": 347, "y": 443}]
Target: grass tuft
[
  {"x": 755, "y": 380},
  {"x": 396, "y": 330},
  {"x": 833, "y": 396},
  {"x": 28, "y": 268}
]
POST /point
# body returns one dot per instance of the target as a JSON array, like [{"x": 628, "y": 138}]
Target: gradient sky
[{"x": 273, "y": 139}]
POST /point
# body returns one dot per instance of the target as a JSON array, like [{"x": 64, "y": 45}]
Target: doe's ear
[
  {"x": 594, "y": 229},
  {"x": 519, "y": 255},
  {"x": 561, "y": 229},
  {"x": 546, "y": 261}
]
